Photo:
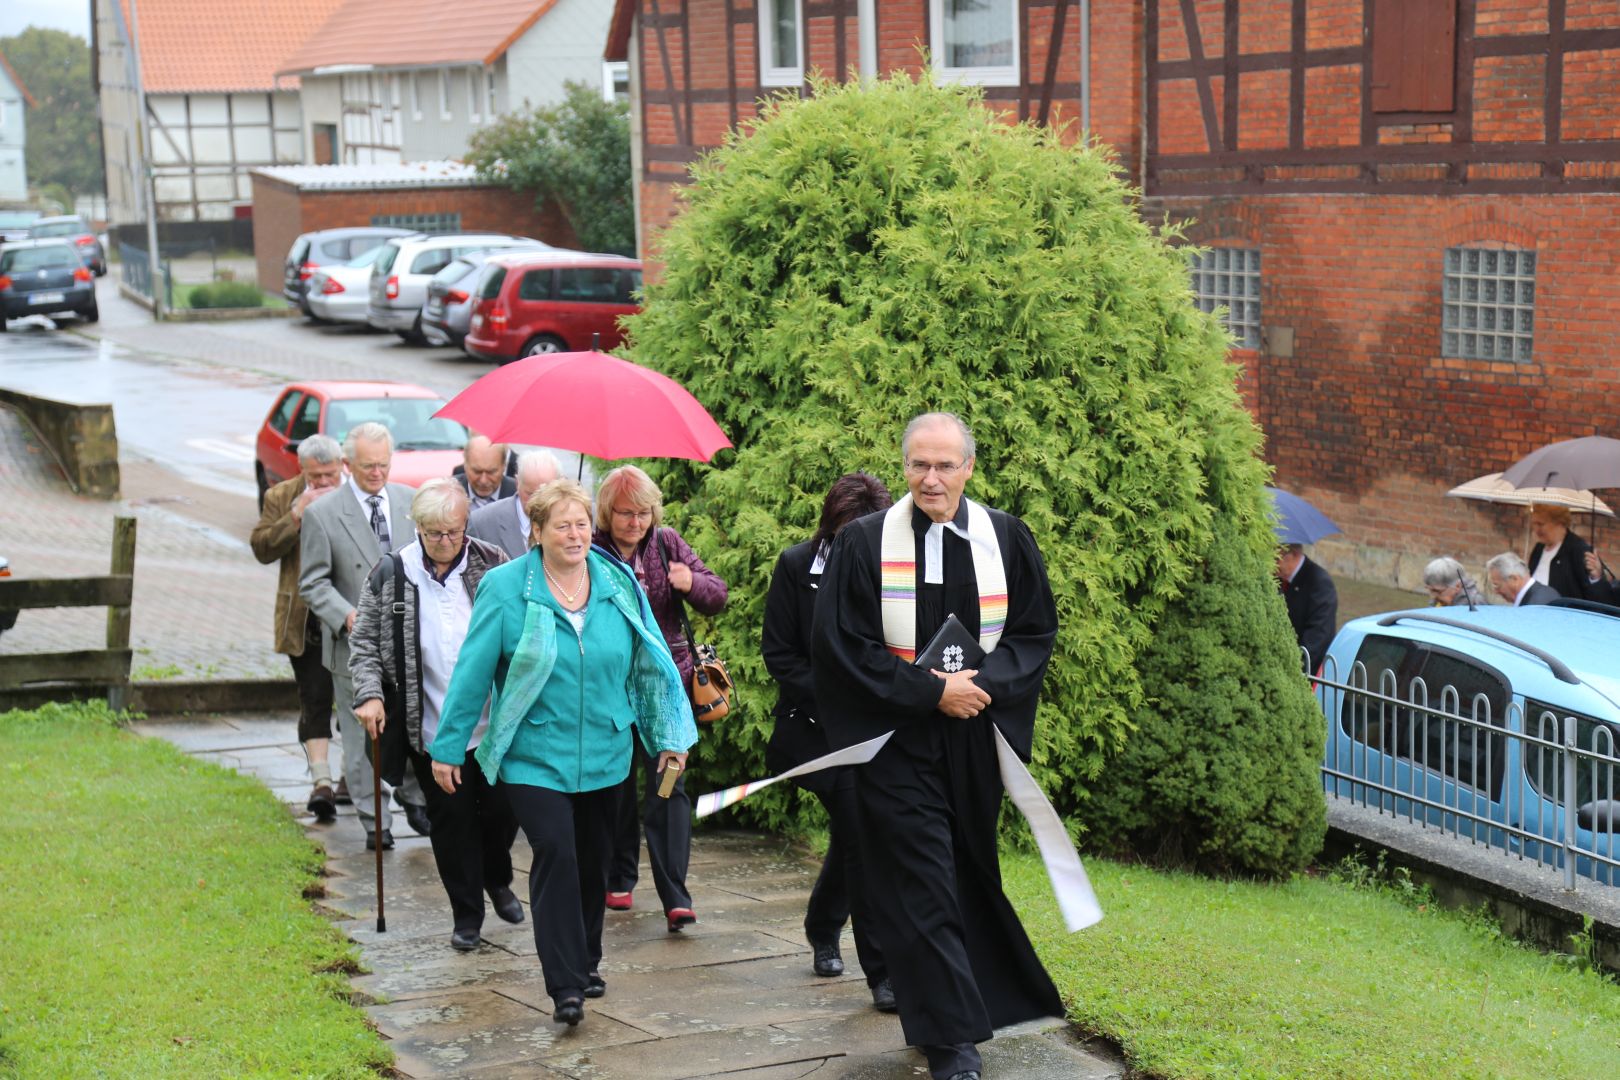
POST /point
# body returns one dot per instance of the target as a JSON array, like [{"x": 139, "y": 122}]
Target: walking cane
[{"x": 376, "y": 824}]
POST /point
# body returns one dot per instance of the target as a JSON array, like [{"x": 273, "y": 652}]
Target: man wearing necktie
[{"x": 343, "y": 538}]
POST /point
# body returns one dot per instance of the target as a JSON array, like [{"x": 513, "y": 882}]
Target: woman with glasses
[
  {"x": 629, "y": 517},
  {"x": 473, "y": 827},
  {"x": 1448, "y": 586}
]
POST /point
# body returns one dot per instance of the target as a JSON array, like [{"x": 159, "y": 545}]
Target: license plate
[{"x": 46, "y": 298}]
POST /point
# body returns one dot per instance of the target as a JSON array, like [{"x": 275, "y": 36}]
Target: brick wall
[
  {"x": 281, "y": 213},
  {"x": 1366, "y": 418}
]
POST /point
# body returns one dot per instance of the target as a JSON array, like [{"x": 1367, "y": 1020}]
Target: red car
[
  {"x": 423, "y": 446},
  {"x": 551, "y": 301}
]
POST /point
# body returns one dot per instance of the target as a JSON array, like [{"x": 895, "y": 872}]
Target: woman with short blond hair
[
  {"x": 629, "y": 523},
  {"x": 566, "y": 639}
]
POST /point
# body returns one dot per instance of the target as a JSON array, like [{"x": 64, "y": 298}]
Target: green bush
[
  {"x": 873, "y": 252},
  {"x": 226, "y": 294}
]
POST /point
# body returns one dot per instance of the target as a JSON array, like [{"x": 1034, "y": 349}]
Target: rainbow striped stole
[{"x": 899, "y": 578}]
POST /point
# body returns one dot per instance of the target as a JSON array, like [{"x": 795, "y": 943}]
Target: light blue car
[{"x": 1461, "y": 719}]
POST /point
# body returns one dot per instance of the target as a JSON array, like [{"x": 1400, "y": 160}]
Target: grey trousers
[{"x": 357, "y": 761}]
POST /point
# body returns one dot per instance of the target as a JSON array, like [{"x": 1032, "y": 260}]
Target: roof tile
[
  {"x": 416, "y": 33},
  {"x": 206, "y": 45}
]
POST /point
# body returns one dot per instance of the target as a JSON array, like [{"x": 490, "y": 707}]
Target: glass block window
[
  {"x": 1230, "y": 278},
  {"x": 1489, "y": 304},
  {"x": 428, "y": 223}
]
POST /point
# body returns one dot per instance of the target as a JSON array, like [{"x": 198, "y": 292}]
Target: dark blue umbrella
[{"x": 1298, "y": 522}]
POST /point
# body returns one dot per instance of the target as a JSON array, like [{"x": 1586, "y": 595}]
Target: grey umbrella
[{"x": 1592, "y": 462}]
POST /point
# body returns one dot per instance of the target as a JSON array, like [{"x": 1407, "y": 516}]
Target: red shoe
[
  {"x": 618, "y": 901},
  {"x": 679, "y": 917}
]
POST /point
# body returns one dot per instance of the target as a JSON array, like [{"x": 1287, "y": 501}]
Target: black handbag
[{"x": 394, "y": 744}]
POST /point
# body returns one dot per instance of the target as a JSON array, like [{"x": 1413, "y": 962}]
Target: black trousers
[
  {"x": 570, "y": 834},
  {"x": 314, "y": 686},
  {"x": 472, "y": 838},
  {"x": 840, "y": 889},
  {"x": 669, "y": 834}
]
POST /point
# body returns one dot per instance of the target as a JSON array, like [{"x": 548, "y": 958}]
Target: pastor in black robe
[{"x": 958, "y": 957}]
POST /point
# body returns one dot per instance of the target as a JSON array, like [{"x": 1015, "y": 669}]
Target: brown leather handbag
[{"x": 712, "y": 688}]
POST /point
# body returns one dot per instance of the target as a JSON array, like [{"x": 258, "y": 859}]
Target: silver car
[
  {"x": 453, "y": 293},
  {"x": 342, "y": 293},
  {"x": 400, "y": 276},
  {"x": 312, "y": 251}
]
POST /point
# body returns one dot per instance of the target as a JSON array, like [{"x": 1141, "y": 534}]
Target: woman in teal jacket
[{"x": 565, "y": 637}]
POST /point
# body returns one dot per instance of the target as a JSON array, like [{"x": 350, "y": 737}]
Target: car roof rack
[
  {"x": 1596, "y": 607},
  {"x": 1559, "y": 669}
]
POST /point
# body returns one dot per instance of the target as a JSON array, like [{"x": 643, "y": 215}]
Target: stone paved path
[{"x": 733, "y": 996}]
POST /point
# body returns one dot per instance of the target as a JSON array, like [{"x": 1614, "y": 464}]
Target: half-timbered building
[{"x": 1410, "y": 209}]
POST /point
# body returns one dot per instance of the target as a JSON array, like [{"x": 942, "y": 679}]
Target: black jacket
[
  {"x": 790, "y": 606},
  {"x": 1313, "y": 609},
  {"x": 1567, "y": 574}
]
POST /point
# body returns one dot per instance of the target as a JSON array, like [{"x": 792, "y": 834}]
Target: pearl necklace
[{"x": 569, "y": 598}]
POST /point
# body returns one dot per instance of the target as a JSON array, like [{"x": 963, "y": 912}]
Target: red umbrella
[{"x": 591, "y": 403}]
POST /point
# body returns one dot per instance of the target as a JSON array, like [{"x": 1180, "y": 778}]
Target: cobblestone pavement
[
  {"x": 202, "y": 607},
  {"x": 733, "y": 996}
]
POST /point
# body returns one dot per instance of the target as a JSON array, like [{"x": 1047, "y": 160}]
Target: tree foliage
[
  {"x": 578, "y": 153},
  {"x": 874, "y": 252},
  {"x": 64, "y": 137}
]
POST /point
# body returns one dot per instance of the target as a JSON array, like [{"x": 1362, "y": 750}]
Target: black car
[
  {"x": 72, "y": 227},
  {"x": 45, "y": 277}
]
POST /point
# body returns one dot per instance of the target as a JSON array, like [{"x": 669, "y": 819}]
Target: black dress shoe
[
  {"x": 464, "y": 939},
  {"x": 387, "y": 840},
  {"x": 340, "y": 794},
  {"x": 418, "y": 818},
  {"x": 595, "y": 985},
  {"x": 883, "y": 996},
  {"x": 506, "y": 905},
  {"x": 569, "y": 1011},
  {"x": 323, "y": 804},
  {"x": 971, "y": 1074},
  {"x": 828, "y": 959}
]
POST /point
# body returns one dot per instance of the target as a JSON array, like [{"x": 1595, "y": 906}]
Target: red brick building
[{"x": 1412, "y": 206}]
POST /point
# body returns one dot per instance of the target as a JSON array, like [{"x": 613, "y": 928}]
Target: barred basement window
[
  {"x": 428, "y": 223},
  {"x": 1489, "y": 304},
  {"x": 1230, "y": 278}
]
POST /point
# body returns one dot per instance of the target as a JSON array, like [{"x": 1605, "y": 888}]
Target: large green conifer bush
[{"x": 870, "y": 253}]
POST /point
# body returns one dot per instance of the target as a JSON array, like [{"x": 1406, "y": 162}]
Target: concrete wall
[
  {"x": 204, "y": 146},
  {"x": 82, "y": 438},
  {"x": 436, "y": 129},
  {"x": 120, "y": 107},
  {"x": 565, "y": 45},
  {"x": 320, "y": 101}
]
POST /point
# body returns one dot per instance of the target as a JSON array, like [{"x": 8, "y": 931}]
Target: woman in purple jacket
[{"x": 629, "y": 513}]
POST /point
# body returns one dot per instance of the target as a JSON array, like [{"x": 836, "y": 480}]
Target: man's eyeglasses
[
  {"x": 633, "y": 515},
  {"x": 441, "y": 537},
  {"x": 945, "y": 469}
]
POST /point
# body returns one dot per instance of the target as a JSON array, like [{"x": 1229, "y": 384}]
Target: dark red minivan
[{"x": 551, "y": 301}]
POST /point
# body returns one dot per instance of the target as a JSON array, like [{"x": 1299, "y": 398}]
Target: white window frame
[
  {"x": 780, "y": 76},
  {"x": 416, "y": 95},
  {"x": 444, "y": 94},
  {"x": 474, "y": 81},
  {"x": 999, "y": 75},
  {"x": 489, "y": 91}
]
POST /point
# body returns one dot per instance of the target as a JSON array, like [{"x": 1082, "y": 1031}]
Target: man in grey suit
[
  {"x": 505, "y": 522},
  {"x": 342, "y": 538},
  {"x": 1510, "y": 579}
]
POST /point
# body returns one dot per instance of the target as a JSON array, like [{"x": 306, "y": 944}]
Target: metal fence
[
  {"x": 1537, "y": 784},
  {"x": 135, "y": 270}
]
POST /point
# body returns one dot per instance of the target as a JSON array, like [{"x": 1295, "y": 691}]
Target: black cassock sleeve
[
  {"x": 786, "y": 656},
  {"x": 1013, "y": 673},
  {"x": 862, "y": 689}
]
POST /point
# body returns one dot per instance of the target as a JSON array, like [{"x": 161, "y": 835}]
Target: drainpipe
[
  {"x": 149, "y": 186},
  {"x": 866, "y": 27},
  {"x": 1085, "y": 68}
]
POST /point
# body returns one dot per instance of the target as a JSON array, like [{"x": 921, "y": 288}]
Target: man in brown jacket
[{"x": 297, "y": 631}]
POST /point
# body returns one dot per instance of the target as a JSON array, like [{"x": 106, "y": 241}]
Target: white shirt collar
[
  {"x": 523, "y": 518},
  {"x": 1519, "y": 599},
  {"x": 362, "y": 496}
]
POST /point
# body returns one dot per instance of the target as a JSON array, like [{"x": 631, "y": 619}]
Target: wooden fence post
[{"x": 118, "y": 616}]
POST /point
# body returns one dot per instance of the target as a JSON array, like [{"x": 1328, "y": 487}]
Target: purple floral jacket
[{"x": 707, "y": 596}]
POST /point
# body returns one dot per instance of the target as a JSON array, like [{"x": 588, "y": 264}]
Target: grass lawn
[
  {"x": 153, "y": 917},
  {"x": 1313, "y": 978}
]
